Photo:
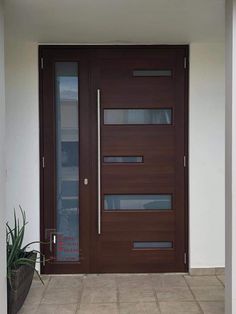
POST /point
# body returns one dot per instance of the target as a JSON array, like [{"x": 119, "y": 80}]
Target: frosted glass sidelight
[
  {"x": 137, "y": 202},
  {"x": 137, "y": 116},
  {"x": 67, "y": 155}
]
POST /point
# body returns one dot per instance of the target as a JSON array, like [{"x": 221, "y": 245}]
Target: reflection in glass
[
  {"x": 137, "y": 116},
  {"x": 123, "y": 159},
  {"x": 137, "y": 202},
  {"x": 152, "y": 73},
  {"x": 67, "y": 152},
  {"x": 153, "y": 245}
]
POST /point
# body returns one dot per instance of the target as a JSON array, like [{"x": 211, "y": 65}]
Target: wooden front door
[{"x": 114, "y": 158}]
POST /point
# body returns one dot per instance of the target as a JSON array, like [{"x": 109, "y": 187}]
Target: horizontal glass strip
[
  {"x": 153, "y": 245},
  {"x": 123, "y": 159},
  {"x": 137, "y": 202},
  {"x": 137, "y": 116},
  {"x": 152, "y": 73}
]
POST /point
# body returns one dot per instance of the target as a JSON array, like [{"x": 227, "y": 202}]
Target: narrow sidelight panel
[
  {"x": 137, "y": 202},
  {"x": 67, "y": 166}
]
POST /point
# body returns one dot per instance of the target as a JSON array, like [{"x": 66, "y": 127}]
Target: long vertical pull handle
[{"x": 99, "y": 157}]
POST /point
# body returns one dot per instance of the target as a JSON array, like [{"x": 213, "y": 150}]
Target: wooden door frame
[
  {"x": 48, "y": 147},
  {"x": 186, "y": 125}
]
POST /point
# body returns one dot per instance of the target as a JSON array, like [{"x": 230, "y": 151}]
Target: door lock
[{"x": 85, "y": 181}]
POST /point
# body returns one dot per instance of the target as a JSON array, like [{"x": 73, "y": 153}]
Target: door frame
[{"x": 186, "y": 129}]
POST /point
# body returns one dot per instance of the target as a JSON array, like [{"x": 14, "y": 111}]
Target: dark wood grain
[
  {"x": 162, "y": 172},
  {"x": 110, "y": 68},
  {"x": 48, "y": 150}
]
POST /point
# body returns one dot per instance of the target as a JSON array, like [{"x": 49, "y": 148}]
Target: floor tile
[
  {"x": 202, "y": 271},
  {"x": 133, "y": 288},
  {"x": 201, "y": 281},
  {"x": 37, "y": 282},
  {"x": 57, "y": 309},
  {"x": 28, "y": 309},
  {"x": 222, "y": 279},
  {"x": 136, "y": 293},
  {"x": 110, "y": 308},
  {"x": 60, "y": 282},
  {"x": 130, "y": 280},
  {"x": 99, "y": 295},
  {"x": 61, "y": 296},
  {"x": 220, "y": 271},
  {"x": 179, "y": 308},
  {"x": 168, "y": 281},
  {"x": 138, "y": 308},
  {"x": 35, "y": 295},
  {"x": 141, "y": 293},
  {"x": 100, "y": 281},
  {"x": 213, "y": 293},
  {"x": 212, "y": 307},
  {"x": 174, "y": 294}
]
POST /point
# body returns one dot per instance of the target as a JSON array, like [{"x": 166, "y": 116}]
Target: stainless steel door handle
[
  {"x": 53, "y": 241},
  {"x": 99, "y": 157}
]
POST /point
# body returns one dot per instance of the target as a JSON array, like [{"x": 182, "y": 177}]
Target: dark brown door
[
  {"x": 125, "y": 208},
  {"x": 64, "y": 112}
]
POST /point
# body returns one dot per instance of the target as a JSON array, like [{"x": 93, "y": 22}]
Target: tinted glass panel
[
  {"x": 137, "y": 202},
  {"x": 153, "y": 245},
  {"x": 152, "y": 73},
  {"x": 123, "y": 159},
  {"x": 137, "y": 116},
  {"x": 67, "y": 152}
]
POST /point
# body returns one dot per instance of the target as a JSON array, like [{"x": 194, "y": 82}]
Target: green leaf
[
  {"x": 34, "y": 242},
  {"x": 15, "y": 224},
  {"x": 16, "y": 254},
  {"x": 24, "y": 260},
  {"x": 15, "y": 248},
  {"x": 39, "y": 276},
  {"x": 10, "y": 232}
]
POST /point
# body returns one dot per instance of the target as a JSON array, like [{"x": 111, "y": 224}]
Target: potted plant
[{"x": 20, "y": 264}]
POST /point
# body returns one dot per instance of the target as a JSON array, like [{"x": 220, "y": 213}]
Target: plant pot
[{"x": 21, "y": 281}]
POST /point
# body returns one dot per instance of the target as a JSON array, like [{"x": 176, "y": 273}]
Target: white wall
[
  {"x": 2, "y": 170},
  {"x": 206, "y": 145},
  {"x": 22, "y": 129},
  {"x": 206, "y": 127},
  {"x": 149, "y": 21},
  {"x": 230, "y": 173}
]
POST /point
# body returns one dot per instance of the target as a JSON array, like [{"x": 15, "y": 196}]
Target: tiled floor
[{"x": 126, "y": 294}]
